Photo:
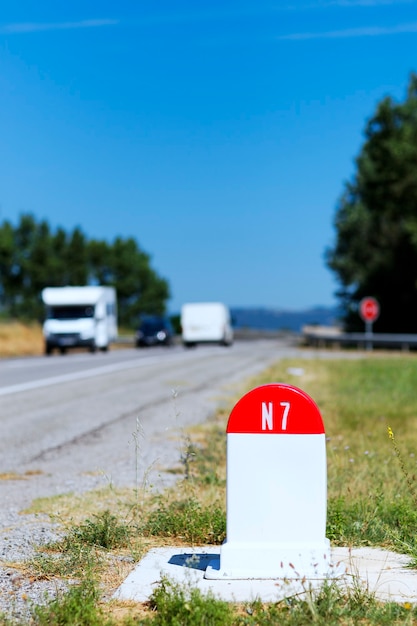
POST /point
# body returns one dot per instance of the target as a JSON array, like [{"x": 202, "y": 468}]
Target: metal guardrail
[
  {"x": 366, "y": 341},
  {"x": 319, "y": 338}
]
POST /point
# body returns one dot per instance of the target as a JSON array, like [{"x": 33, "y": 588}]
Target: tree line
[
  {"x": 34, "y": 256},
  {"x": 375, "y": 252}
]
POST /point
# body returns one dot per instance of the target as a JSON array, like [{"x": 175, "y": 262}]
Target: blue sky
[{"x": 218, "y": 134}]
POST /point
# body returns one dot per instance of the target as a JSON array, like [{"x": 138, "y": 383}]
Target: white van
[
  {"x": 79, "y": 317},
  {"x": 206, "y": 322}
]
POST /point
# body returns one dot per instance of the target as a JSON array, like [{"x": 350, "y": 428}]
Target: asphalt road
[{"x": 80, "y": 421}]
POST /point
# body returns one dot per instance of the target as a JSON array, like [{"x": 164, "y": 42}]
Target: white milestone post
[{"x": 276, "y": 488}]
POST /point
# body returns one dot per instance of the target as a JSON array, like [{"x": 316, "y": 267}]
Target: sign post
[
  {"x": 276, "y": 488},
  {"x": 369, "y": 312}
]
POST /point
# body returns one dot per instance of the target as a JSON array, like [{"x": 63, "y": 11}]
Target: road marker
[{"x": 276, "y": 489}]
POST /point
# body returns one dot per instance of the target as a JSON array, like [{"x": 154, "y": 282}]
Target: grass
[
  {"x": 187, "y": 520},
  {"x": 18, "y": 339},
  {"x": 26, "y": 339},
  {"x": 372, "y": 495},
  {"x": 329, "y": 606},
  {"x": 78, "y": 607}
]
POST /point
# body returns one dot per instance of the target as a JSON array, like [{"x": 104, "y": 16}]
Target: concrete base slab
[{"x": 380, "y": 572}]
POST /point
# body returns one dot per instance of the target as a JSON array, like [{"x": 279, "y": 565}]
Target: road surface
[{"x": 80, "y": 421}]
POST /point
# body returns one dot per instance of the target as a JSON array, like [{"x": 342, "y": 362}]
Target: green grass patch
[
  {"x": 176, "y": 605},
  {"x": 82, "y": 548},
  {"x": 103, "y": 531},
  {"x": 187, "y": 520},
  {"x": 78, "y": 607}
]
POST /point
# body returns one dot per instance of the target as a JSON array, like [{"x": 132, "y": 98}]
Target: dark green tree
[
  {"x": 9, "y": 270},
  {"x": 100, "y": 258},
  {"x": 33, "y": 257},
  {"x": 20, "y": 247},
  {"x": 57, "y": 261},
  {"x": 36, "y": 269},
  {"x": 375, "y": 253},
  {"x": 77, "y": 259},
  {"x": 139, "y": 289}
]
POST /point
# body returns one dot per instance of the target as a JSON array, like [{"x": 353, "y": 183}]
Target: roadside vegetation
[
  {"x": 375, "y": 223},
  {"x": 369, "y": 408},
  {"x": 19, "y": 339},
  {"x": 26, "y": 338}
]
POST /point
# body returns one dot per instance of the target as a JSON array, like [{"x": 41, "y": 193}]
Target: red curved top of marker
[{"x": 276, "y": 408}]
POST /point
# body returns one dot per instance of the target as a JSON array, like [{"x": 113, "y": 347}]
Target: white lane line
[{"x": 105, "y": 369}]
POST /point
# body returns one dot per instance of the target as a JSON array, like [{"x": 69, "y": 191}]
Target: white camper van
[
  {"x": 79, "y": 316},
  {"x": 206, "y": 322}
]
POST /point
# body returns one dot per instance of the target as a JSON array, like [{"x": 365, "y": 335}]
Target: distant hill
[{"x": 277, "y": 319}]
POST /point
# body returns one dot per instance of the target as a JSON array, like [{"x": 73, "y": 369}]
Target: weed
[
  {"x": 187, "y": 520},
  {"x": 78, "y": 607},
  {"x": 137, "y": 436},
  {"x": 327, "y": 606},
  {"x": 410, "y": 480},
  {"x": 175, "y": 605},
  {"x": 336, "y": 519},
  {"x": 78, "y": 552},
  {"x": 187, "y": 457},
  {"x": 210, "y": 458},
  {"x": 104, "y": 531},
  {"x": 57, "y": 561},
  {"x": 182, "y": 606}
]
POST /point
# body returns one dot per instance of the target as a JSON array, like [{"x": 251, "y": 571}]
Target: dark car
[{"x": 154, "y": 331}]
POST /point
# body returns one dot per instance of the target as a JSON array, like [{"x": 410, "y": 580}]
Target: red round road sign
[
  {"x": 276, "y": 408},
  {"x": 369, "y": 309}
]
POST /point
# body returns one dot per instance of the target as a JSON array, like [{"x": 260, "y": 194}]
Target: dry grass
[{"x": 17, "y": 339}]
